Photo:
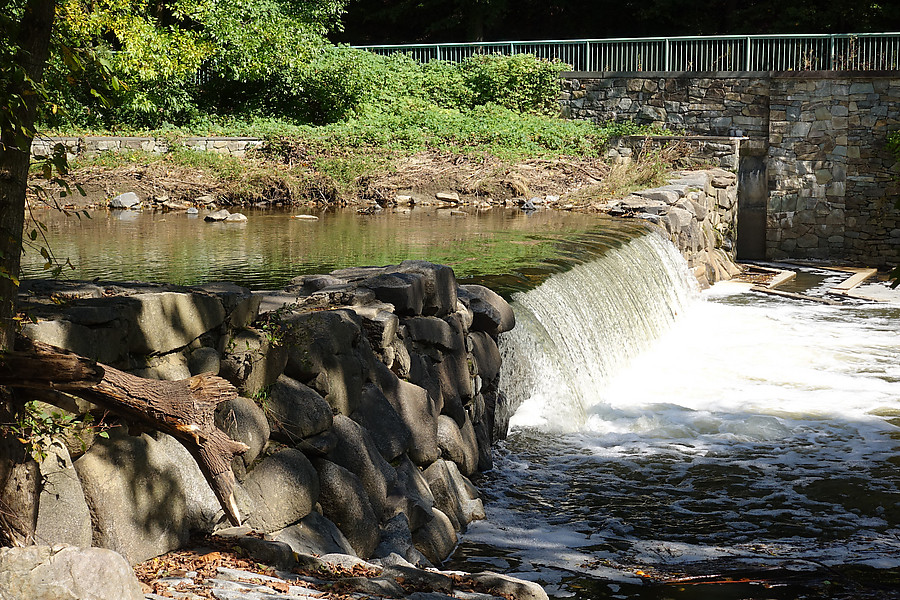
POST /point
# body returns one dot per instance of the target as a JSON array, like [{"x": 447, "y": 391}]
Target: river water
[
  {"x": 506, "y": 248},
  {"x": 667, "y": 438},
  {"x": 662, "y": 433}
]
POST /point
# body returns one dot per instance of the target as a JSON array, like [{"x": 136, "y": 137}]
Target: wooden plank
[
  {"x": 793, "y": 295},
  {"x": 780, "y": 278},
  {"x": 853, "y": 282}
]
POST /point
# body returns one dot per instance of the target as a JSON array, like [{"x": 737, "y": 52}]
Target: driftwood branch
[{"x": 184, "y": 409}]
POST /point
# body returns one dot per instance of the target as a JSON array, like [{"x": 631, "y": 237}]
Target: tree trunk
[
  {"x": 19, "y": 478},
  {"x": 20, "y": 482},
  {"x": 184, "y": 409},
  {"x": 16, "y": 135}
]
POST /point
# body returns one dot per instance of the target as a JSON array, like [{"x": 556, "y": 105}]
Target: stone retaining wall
[
  {"x": 695, "y": 151},
  {"x": 831, "y": 182},
  {"x": 697, "y": 211},
  {"x": 368, "y": 396},
  {"x": 94, "y": 145}
]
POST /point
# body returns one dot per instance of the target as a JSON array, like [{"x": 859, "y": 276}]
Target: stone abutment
[{"x": 816, "y": 180}]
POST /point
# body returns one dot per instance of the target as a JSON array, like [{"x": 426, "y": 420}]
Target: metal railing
[{"x": 850, "y": 51}]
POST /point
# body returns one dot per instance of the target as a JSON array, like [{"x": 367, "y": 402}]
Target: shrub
[
  {"x": 521, "y": 82},
  {"x": 893, "y": 144}
]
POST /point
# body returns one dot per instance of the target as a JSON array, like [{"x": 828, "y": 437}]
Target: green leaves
[{"x": 38, "y": 428}]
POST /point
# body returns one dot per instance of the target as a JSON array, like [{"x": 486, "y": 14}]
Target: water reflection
[{"x": 505, "y": 248}]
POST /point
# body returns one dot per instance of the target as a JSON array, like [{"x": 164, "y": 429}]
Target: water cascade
[
  {"x": 579, "y": 328},
  {"x": 662, "y": 430}
]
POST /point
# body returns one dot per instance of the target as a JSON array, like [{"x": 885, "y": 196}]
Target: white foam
[{"x": 754, "y": 429}]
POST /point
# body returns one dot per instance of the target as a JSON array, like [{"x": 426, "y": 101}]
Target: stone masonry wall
[
  {"x": 91, "y": 146},
  {"x": 697, "y": 212},
  {"x": 832, "y": 184},
  {"x": 368, "y": 397},
  {"x": 692, "y": 151}
]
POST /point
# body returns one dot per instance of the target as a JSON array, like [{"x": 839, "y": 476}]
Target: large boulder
[
  {"x": 433, "y": 332},
  {"x": 446, "y": 496},
  {"x": 417, "y": 412},
  {"x": 296, "y": 411},
  {"x": 437, "y": 539},
  {"x": 454, "y": 495},
  {"x": 167, "y": 321},
  {"x": 492, "y": 314},
  {"x": 396, "y": 540},
  {"x": 413, "y": 488},
  {"x": 498, "y": 412},
  {"x": 63, "y": 515},
  {"x": 345, "y": 502},
  {"x": 390, "y": 433},
  {"x": 168, "y": 367},
  {"x": 106, "y": 343},
  {"x": 381, "y": 327},
  {"x": 483, "y": 441},
  {"x": 423, "y": 373},
  {"x": 284, "y": 488},
  {"x": 66, "y": 573},
  {"x": 509, "y": 587},
  {"x": 241, "y": 305},
  {"x": 438, "y": 283},
  {"x": 357, "y": 452},
  {"x": 252, "y": 362},
  {"x": 204, "y": 360},
  {"x": 146, "y": 494},
  {"x": 405, "y": 291},
  {"x": 486, "y": 355},
  {"x": 244, "y": 421},
  {"x": 458, "y": 444},
  {"x": 328, "y": 352},
  {"x": 315, "y": 535},
  {"x": 457, "y": 384}
]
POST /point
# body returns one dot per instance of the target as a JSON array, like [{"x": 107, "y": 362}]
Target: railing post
[
  {"x": 749, "y": 46},
  {"x": 512, "y": 48},
  {"x": 588, "y": 63},
  {"x": 831, "y": 54},
  {"x": 666, "y": 63},
  {"x": 437, "y": 52}
]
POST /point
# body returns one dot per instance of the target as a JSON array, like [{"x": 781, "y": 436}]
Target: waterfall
[
  {"x": 692, "y": 433},
  {"x": 580, "y": 327}
]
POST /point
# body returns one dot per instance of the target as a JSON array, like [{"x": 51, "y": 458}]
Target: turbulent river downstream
[{"x": 668, "y": 435}]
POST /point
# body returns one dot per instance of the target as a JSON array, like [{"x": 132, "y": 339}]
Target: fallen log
[{"x": 184, "y": 409}]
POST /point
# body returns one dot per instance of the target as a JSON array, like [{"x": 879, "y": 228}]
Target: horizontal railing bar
[
  {"x": 788, "y": 52},
  {"x": 785, "y": 36}
]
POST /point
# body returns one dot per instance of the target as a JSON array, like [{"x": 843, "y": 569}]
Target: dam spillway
[{"x": 691, "y": 433}]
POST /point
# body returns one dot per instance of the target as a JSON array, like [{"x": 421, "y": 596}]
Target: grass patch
[{"x": 651, "y": 169}]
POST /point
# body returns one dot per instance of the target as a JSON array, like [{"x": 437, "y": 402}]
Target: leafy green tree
[
  {"x": 24, "y": 49},
  {"x": 156, "y": 46},
  {"x": 179, "y": 57}
]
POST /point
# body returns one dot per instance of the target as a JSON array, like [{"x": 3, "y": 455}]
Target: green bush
[
  {"x": 342, "y": 80},
  {"x": 446, "y": 85},
  {"x": 893, "y": 144},
  {"x": 520, "y": 82},
  {"x": 413, "y": 124}
]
